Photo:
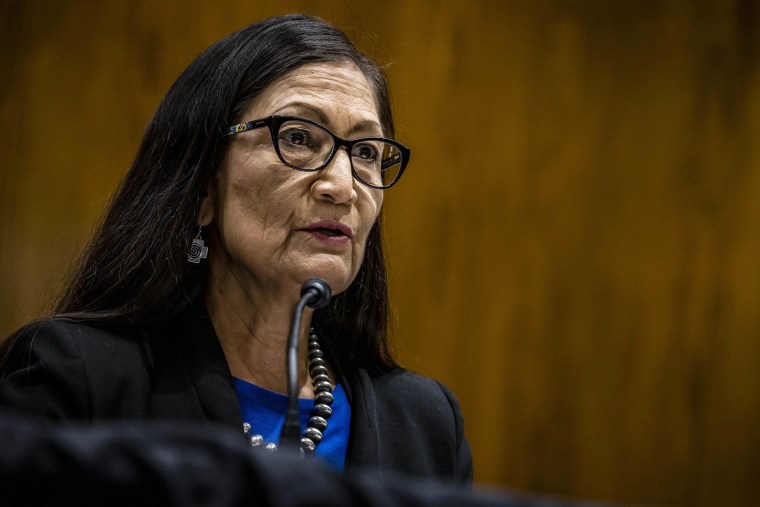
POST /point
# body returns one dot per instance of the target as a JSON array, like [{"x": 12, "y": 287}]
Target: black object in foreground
[{"x": 192, "y": 464}]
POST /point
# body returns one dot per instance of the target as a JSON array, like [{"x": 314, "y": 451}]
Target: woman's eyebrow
[
  {"x": 364, "y": 125},
  {"x": 317, "y": 111},
  {"x": 367, "y": 126}
]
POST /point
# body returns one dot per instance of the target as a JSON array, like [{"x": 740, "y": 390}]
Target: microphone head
[{"x": 319, "y": 292}]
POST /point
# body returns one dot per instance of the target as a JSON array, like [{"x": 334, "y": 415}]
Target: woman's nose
[{"x": 336, "y": 181}]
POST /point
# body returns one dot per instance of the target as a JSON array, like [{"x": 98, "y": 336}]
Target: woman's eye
[
  {"x": 365, "y": 152},
  {"x": 296, "y": 137}
]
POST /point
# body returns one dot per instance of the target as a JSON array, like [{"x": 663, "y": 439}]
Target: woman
[{"x": 267, "y": 160}]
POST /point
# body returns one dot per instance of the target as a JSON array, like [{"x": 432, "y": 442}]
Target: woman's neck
[{"x": 254, "y": 332}]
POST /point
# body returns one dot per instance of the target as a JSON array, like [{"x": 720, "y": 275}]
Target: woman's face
[{"x": 277, "y": 227}]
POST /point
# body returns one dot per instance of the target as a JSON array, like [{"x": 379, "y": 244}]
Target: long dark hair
[{"x": 135, "y": 271}]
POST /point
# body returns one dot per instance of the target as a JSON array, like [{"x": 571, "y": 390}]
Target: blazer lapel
[
  {"x": 208, "y": 371},
  {"x": 364, "y": 444}
]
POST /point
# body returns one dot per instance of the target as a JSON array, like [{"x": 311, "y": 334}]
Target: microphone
[
  {"x": 315, "y": 293},
  {"x": 318, "y": 291}
]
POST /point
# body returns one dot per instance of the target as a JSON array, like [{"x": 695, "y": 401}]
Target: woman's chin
[
  {"x": 338, "y": 279},
  {"x": 336, "y": 282},
  {"x": 336, "y": 270}
]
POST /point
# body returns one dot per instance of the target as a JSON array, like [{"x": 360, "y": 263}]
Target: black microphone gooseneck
[{"x": 315, "y": 293}]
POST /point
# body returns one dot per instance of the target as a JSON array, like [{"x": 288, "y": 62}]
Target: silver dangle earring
[{"x": 198, "y": 249}]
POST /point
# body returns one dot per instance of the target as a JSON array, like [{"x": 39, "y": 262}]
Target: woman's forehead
[{"x": 328, "y": 92}]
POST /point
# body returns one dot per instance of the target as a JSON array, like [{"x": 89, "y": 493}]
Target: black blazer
[{"x": 401, "y": 423}]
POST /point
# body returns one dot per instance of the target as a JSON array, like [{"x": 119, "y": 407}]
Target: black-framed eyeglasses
[{"x": 308, "y": 146}]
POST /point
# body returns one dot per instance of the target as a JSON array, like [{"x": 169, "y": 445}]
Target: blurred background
[{"x": 574, "y": 249}]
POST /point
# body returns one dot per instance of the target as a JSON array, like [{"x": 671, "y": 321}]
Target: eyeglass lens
[{"x": 307, "y": 146}]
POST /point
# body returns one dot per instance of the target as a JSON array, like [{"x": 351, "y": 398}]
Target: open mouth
[
  {"x": 330, "y": 231},
  {"x": 327, "y": 231}
]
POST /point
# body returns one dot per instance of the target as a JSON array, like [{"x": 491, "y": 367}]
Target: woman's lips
[{"x": 329, "y": 232}]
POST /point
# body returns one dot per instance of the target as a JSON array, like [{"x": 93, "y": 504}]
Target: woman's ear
[{"x": 208, "y": 204}]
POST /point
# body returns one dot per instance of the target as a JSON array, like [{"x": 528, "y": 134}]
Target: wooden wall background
[{"x": 575, "y": 248}]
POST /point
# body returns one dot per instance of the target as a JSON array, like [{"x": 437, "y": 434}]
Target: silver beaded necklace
[{"x": 321, "y": 412}]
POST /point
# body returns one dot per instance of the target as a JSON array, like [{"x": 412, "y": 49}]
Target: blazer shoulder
[
  {"x": 55, "y": 367},
  {"x": 411, "y": 389},
  {"x": 420, "y": 400},
  {"x": 52, "y": 339}
]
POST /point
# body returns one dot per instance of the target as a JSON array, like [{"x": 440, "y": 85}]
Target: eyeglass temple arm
[
  {"x": 242, "y": 127},
  {"x": 395, "y": 159}
]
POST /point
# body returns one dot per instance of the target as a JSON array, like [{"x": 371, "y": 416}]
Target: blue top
[{"x": 265, "y": 411}]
